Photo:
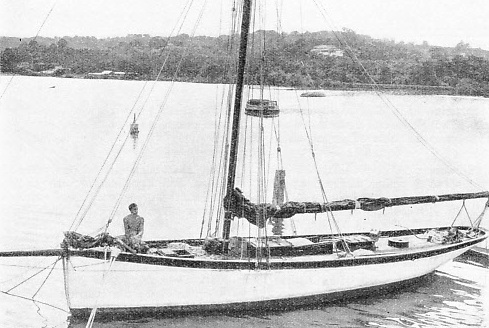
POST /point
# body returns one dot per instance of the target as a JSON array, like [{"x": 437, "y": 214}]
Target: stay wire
[
  {"x": 478, "y": 221},
  {"x": 100, "y": 291},
  {"x": 30, "y": 268},
  {"x": 112, "y": 165},
  {"x": 32, "y": 276},
  {"x": 216, "y": 168},
  {"x": 121, "y": 148},
  {"x": 468, "y": 215},
  {"x": 463, "y": 207},
  {"x": 40, "y": 302},
  {"x": 224, "y": 158},
  {"x": 226, "y": 136},
  {"x": 80, "y": 220},
  {"x": 103, "y": 166},
  {"x": 395, "y": 110},
  {"x": 153, "y": 126},
  {"x": 210, "y": 186},
  {"x": 45, "y": 279},
  {"x": 7, "y": 86},
  {"x": 181, "y": 19},
  {"x": 221, "y": 125},
  {"x": 311, "y": 145},
  {"x": 34, "y": 39},
  {"x": 329, "y": 213}
]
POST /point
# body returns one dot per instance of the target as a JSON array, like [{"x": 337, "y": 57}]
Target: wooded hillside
[{"x": 291, "y": 60}]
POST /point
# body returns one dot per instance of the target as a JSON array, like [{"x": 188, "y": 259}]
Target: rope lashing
[
  {"x": 478, "y": 221},
  {"x": 460, "y": 211}
]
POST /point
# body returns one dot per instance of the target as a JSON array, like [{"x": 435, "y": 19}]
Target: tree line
[{"x": 280, "y": 59}]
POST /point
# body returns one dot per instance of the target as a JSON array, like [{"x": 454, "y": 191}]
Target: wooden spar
[
  {"x": 37, "y": 252},
  {"x": 242, "y": 207},
  {"x": 435, "y": 199},
  {"x": 369, "y": 204},
  {"x": 120, "y": 242},
  {"x": 233, "y": 150}
]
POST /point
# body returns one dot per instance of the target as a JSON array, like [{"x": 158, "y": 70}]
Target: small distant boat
[
  {"x": 313, "y": 94},
  {"x": 262, "y": 108},
  {"x": 134, "y": 131}
]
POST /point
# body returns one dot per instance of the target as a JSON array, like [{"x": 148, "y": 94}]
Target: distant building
[
  {"x": 57, "y": 70},
  {"x": 107, "y": 75},
  {"x": 328, "y": 50},
  {"x": 24, "y": 65},
  {"x": 101, "y": 75}
]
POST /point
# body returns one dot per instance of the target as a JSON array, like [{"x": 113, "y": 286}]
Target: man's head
[{"x": 133, "y": 208}]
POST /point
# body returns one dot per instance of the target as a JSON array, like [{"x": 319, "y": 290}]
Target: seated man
[{"x": 133, "y": 230}]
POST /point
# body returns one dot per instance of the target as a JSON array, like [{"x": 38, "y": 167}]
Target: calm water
[{"x": 56, "y": 133}]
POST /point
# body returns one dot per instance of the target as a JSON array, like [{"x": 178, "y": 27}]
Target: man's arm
[
  {"x": 126, "y": 226},
  {"x": 141, "y": 229}
]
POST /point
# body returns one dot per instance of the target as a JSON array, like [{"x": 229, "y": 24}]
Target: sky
[{"x": 439, "y": 22}]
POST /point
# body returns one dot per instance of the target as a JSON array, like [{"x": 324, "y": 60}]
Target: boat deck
[
  {"x": 303, "y": 249},
  {"x": 298, "y": 251}
]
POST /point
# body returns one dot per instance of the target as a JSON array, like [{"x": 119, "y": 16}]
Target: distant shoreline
[{"x": 390, "y": 88}]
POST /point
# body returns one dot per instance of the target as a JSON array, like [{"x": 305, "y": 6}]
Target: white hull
[{"x": 129, "y": 285}]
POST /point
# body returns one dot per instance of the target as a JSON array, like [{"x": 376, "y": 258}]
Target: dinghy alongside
[{"x": 262, "y": 108}]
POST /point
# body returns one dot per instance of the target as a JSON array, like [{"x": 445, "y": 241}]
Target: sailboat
[
  {"x": 226, "y": 272},
  {"x": 134, "y": 129}
]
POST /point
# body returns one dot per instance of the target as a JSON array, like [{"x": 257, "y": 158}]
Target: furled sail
[{"x": 240, "y": 206}]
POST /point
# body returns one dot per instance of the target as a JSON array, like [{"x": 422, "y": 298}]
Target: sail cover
[{"x": 257, "y": 214}]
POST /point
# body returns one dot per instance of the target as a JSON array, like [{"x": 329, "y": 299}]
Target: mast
[{"x": 233, "y": 150}]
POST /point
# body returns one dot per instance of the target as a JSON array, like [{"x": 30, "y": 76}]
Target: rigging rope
[
  {"x": 215, "y": 174},
  {"x": 222, "y": 127},
  {"x": 34, "y": 39},
  {"x": 102, "y": 167},
  {"x": 32, "y": 276},
  {"x": 28, "y": 299},
  {"x": 478, "y": 221},
  {"x": 183, "y": 16},
  {"x": 217, "y": 170},
  {"x": 463, "y": 207},
  {"x": 397, "y": 113},
  {"x": 456, "y": 216},
  {"x": 45, "y": 279},
  {"x": 114, "y": 252},
  {"x": 468, "y": 215},
  {"x": 152, "y": 128},
  {"x": 42, "y": 284},
  {"x": 329, "y": 214},
  {"x": 311, "y": 145}
]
